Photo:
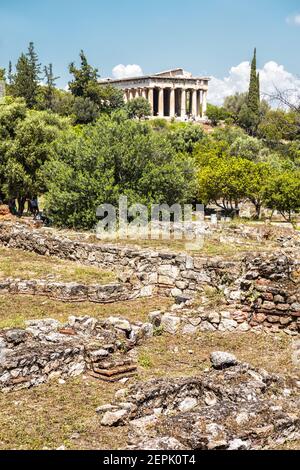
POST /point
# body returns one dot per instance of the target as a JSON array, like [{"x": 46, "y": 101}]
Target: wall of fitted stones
[
  {"x": 47, "y": 349},
  {"x": 150, "y": 271},
  {"x": 71, "y": 292},
  {"x": 262, "y": 289}
]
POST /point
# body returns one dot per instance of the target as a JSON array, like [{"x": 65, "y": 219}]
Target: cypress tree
[
  {"x": 258, "y": 87},
  {"x": 253, "y": 95},
  {"x": 10, "y": 75}
]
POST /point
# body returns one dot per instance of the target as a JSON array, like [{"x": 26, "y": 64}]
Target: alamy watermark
[{"x": 157, "y": 222}]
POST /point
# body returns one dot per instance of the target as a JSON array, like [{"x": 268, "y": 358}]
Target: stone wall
[
  {"x": 47, "y": 350},
  {"x": 258, "y": 289},
  {"x": 72, "y": 292},
  {"x": 176, "y": 274}
]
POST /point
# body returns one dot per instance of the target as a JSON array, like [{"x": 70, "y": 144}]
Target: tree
[
  {"x": 254, "y": 87},
  {"x": 107, "y": 98},
  {"x": 233, "y": 104},
  {"x": 85, "y": 110},
  {"x": 257, "y": 179},
  {"x": 49, "y": 91},
  {"x": 283, "y": 194},
  {"x": 184, "y": 137},
  {"x": 249, "y": 148},
  {"x": 10, "y": 76},
  {"x": 83, "y": 76},
  {"x": 222, "y": 182},
  {"x": 28, "y": 147},
  {"x": 216, "y": 114},
  {"x": 26, "y": 80},
  {"x": 278, "y": 125},
  {"x": 2, "y": 74},
  {"x": 249, "y": 114},
  {"x": 114, "y": 157},
  {"x": 138, "y": 108}
]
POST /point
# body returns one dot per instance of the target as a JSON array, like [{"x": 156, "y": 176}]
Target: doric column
[
  {"x": 161, "y": 102},
  {"x": 144, "y": 93},
  {"x": 172, "y": 102},
  {"x": 131, "y": 95},
  {"x": 137, "y": 93},
  {"x": 204, "y": 103},
  {"x": 183, "y": 102},
  {"x": 194, "y": 102},
  {"x": 151, "y": 98},
  {"x": 125, "y": 96}
]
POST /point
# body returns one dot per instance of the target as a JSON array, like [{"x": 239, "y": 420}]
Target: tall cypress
[{"x": 253, "y": 95}]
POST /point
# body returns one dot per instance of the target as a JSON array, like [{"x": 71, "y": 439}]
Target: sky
[{"x": 129, "y": 37}]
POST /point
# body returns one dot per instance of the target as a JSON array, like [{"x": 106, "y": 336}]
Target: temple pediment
[{"x": 180, "y": 73}]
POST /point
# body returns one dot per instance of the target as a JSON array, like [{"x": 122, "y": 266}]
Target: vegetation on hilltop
[{"x": 85, "y": 146}]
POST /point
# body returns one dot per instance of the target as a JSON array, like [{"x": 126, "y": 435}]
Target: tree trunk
[{"x": 21, "y": 205}]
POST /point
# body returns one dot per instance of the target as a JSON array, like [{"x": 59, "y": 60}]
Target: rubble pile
[{"x": 231, "y": 406}]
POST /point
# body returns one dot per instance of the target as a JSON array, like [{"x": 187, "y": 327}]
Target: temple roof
[{"x": 179, "y": 73}]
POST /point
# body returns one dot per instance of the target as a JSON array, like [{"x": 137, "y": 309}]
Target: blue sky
[{"x": 204, "y": 37}]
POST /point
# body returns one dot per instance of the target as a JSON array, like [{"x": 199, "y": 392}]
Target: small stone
[
  {"x": 189, "y": 329},
  {"x": 155, "y": 318},
  {"x": 114, "y": 418},
  {"x": 170, "y": 323},
  {"x": 228, "y": 325},
  {"x": 238, "y": 444},
  {"x": 244, "y": 327},
  {"x": 242, "y": 418},
  {"x": 120, "y": 324},
  {"x": 121, "y": 394},
  {"x": 207, "y": 326},
  {"x": 223, "y": 360},
  {"x": 16, "y": 336},
  {"x": 210, "y": 399},
  {"x": 105, "y": 408},
  {"x": 214, "y": 318},
  {"x": 61, "y": 382},
  {"x": 188, "y": 404}
]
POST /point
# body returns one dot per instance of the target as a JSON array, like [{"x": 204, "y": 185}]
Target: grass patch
[
  {"x": 211, "y": 247},
  {"x": 26, "y": 265},
  {"x": 15, "y": 310},
  {"x": 145, "y": 361}
]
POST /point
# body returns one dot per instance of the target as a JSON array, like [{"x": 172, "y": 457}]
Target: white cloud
[
  {"x": 126, "y": 71},
  {"x": 272, "y": 76},
  {"x": 294, "y": 19}
]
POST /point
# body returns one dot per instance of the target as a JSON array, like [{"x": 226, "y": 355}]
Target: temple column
[
  {"x": 198, "y": 103},
  {"x": 204, "y": 103},
  {"x": 172, "y": 102},
  {"x": 151, "y": 99},
  {"x": 161, "y": 102},
  {"x": 183, "y": 102},
  {"x": 194, "y": 102},
  {"x": 137, "y": 93},
  {"x": 131, "y": 95},
  {"x": 125, "y": 96},
  {"x": 144, "y": 93}
]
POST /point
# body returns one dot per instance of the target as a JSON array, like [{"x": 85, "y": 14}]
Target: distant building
[{"x": 174, "y": 93}]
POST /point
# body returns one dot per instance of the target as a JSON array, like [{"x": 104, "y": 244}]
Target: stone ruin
[
  {"x": 48, "y": 350},
  {"x": 231, "y": 406},
  {"x": 259, "y": 290}
]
